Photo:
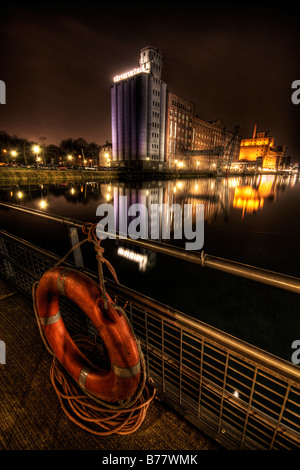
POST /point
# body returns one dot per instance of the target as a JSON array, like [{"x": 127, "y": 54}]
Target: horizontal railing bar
[{"x": 253, "y": 273}]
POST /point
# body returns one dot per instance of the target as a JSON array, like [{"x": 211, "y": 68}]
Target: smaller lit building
[
  {"x": 105, "y": 154},
  {"x": 261, "y": 150}
]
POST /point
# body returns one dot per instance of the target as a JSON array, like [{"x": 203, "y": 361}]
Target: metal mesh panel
[
  {"x": 22, "y": 265},
  {"x": 247, "y": 406}
]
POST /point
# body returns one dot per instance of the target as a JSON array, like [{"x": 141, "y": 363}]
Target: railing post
[{"x": 74, "y": 240}]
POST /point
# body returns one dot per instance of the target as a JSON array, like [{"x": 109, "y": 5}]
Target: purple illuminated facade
[{"x": 138, "y": 113}]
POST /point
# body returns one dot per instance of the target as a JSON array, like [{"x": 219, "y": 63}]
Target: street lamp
[
  {"x": 36, "y": 150},
  {"x": 13, "y": 154}
]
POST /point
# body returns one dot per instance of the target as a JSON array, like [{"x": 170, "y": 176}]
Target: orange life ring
[{"x": 121, "y": 381}]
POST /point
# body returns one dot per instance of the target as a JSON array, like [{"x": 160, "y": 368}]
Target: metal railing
[
  {"x": 238, "y": 394},
  {"x": 264, "y": 276}
]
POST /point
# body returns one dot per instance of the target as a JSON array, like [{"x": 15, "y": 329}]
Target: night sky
[{"x": 236, "y": 63}]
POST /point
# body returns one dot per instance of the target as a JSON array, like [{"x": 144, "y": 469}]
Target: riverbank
[{"x": 35, "y": 176}]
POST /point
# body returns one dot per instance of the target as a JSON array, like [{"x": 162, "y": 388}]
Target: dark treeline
[{"x": 70, "y": 151}]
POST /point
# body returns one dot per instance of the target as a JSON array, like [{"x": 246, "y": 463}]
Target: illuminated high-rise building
[
  {"x": 154, "y": 128},
  {"x": 138, "y": 113}
]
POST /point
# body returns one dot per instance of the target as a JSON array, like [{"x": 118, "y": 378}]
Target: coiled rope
[{"x": 88, "y": 412}]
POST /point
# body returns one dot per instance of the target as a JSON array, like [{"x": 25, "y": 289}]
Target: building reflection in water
[
  {"x": 218, "y": 195},
  {"x": 251, "y": 196}
]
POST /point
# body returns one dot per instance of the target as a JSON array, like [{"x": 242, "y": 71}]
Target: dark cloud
[{"x": 235, "y": 64}]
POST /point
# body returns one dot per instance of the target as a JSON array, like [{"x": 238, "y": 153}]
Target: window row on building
[{"x": 187, "y": 132}]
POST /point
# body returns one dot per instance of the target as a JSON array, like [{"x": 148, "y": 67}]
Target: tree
[{"x": 53, "y": 153}]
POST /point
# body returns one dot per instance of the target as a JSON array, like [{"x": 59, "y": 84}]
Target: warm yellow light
[
  {"x": 72, "y": 191},
  {"x": 43, "y": 204},
  {"x": 20, "y": 194},
  {"x": 36, "y": 148},
  {"x": 70, "y": 157},
  {"x": 13, "y": 153}
]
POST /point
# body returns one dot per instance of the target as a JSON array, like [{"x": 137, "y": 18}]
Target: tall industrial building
[
  {"x": 154, "y": 128},
  {"x": 138, "y": 113}
]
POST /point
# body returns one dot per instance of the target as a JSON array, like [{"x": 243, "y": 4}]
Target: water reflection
[
  {"x": 221, "y": 197},
  {"x": 251, "y": 197}
]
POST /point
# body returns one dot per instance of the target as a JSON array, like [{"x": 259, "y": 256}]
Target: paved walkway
[{"x": 30, "y": 413}]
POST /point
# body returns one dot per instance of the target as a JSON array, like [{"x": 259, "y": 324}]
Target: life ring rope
[{"x": 60, "y": 378}]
